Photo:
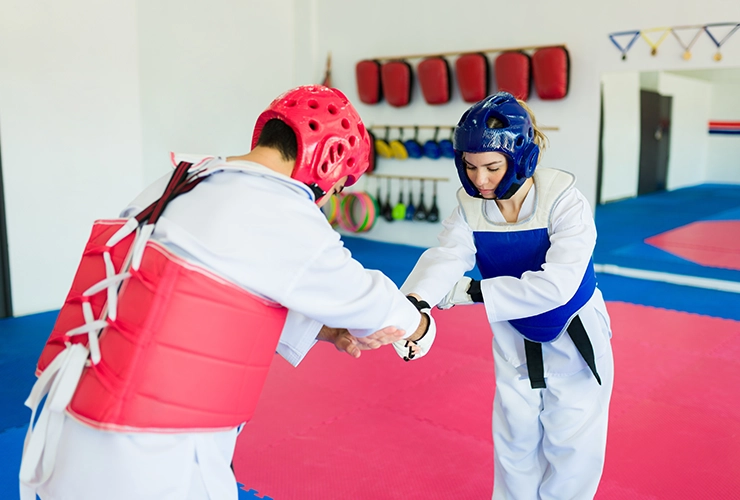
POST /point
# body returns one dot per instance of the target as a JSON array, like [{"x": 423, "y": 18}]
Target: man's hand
[
  {"x": 346, "y": 342},
  {"x": 386, "y": 336},
  {"x": 418, "y": 343}
]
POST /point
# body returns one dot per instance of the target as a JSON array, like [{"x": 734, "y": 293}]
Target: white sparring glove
[
  {"x": 415, "y": 349},
  {"x": 465, "y": 292}
]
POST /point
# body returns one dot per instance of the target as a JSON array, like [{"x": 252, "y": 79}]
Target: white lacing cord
[
  {"x": 110, "y": 272},
  {"x": 112, "y": 304},
  {"x": 110, "y": 283},
  {"x": 140, "y": 244},
  {"x": 92, "y": 326},
  {"x": 59, "y": 380}
]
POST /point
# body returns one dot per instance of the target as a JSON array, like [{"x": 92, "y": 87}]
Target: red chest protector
[{"x": 176, "y": 349}]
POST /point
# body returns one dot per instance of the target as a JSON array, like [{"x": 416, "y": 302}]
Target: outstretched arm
[{"x": 346, "y": 342}]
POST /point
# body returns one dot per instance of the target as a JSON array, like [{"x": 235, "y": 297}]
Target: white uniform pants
[
  {"x": 550, "y": 443},
  {"x": 96, "y": 465}
]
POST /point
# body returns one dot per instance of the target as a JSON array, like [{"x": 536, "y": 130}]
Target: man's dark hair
[{"x": 278, "y": 135}]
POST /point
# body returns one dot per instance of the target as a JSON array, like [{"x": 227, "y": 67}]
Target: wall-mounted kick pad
[{"x": 472, "y": 76}]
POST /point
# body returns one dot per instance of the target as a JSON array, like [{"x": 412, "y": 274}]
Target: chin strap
[
  {"x": 318, "y": 193},
  {"x": 415, "y": 349}
]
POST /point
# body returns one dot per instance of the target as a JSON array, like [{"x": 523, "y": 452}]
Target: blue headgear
[{"x": 515, "y": 141}]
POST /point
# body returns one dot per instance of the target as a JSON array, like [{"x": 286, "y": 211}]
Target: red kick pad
[
  {"x": 472, "y": 76},
  {"x": 709, "y": 243},
  {"x": 368, "y": 81},
  {"x": 397, "y": 79},
  {"x": 434, "y": 80},
  {"x": 512, "y": 70},
  {"x": 551, "y": 72}
]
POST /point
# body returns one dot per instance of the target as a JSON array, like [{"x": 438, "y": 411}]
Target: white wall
[
  {"x": 621, "y": 137},
  {"x": 723, "y": 156},
  {"x": 695, "y": 157},
  {"x": 689, "y": 138},
  {"x": 207, "y": 70},
  {"x": 94, "y": 96},
  {"x": 70, "y": 131}
]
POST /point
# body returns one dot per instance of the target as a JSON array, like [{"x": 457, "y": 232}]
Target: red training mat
[
  {"x": 709, "y": 243},
  {"x": 376, "y": 427}
]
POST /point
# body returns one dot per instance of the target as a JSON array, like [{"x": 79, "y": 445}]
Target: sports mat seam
[
  {"x": 682, "y": 311},
  {"x": 675, "y": 279}
]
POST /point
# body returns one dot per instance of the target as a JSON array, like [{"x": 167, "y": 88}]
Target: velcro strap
[
  {"x": 474, "y": 291},
  {"x": 419, "y": 304}
]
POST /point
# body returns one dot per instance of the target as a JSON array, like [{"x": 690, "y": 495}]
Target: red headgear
[{"x": 332, "y": 140}]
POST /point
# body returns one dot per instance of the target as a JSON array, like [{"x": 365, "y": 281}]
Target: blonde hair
[{"x": 540, "y": 139}]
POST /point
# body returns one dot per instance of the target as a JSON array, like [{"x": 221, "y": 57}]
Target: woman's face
[{"x": 485, "y": 171}]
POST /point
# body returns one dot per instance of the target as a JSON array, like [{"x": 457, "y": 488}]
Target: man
[{"x": 222, "y": 263}]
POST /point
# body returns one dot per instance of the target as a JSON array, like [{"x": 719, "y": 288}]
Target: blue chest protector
[{"x": 513, "y": 249}]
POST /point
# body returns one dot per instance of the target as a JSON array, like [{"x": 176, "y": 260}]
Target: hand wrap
[{"x": 415, "y": 349}]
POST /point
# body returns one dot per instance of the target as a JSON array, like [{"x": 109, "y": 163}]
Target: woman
[{"x": 532, "y": 234}]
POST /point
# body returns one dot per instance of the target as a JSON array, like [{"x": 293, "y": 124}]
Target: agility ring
[
  {"x": 331, "y": 209},
  {"x": 357, "y": 212}
]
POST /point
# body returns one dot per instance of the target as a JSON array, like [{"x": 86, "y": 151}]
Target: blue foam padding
[
  {"x": 649, "y": 252},
  {"x": 624, "y": 225},
  {"x": 251, "y": 494},
  {"x": 22, "y": 339},
  {"x": 669, "y": 296},
  {"x": 733, "y": 214},
  {"x": 630, "y": 221},
  {"x": 648, "y": 257},
  {"x": 11, "y": 447}
]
